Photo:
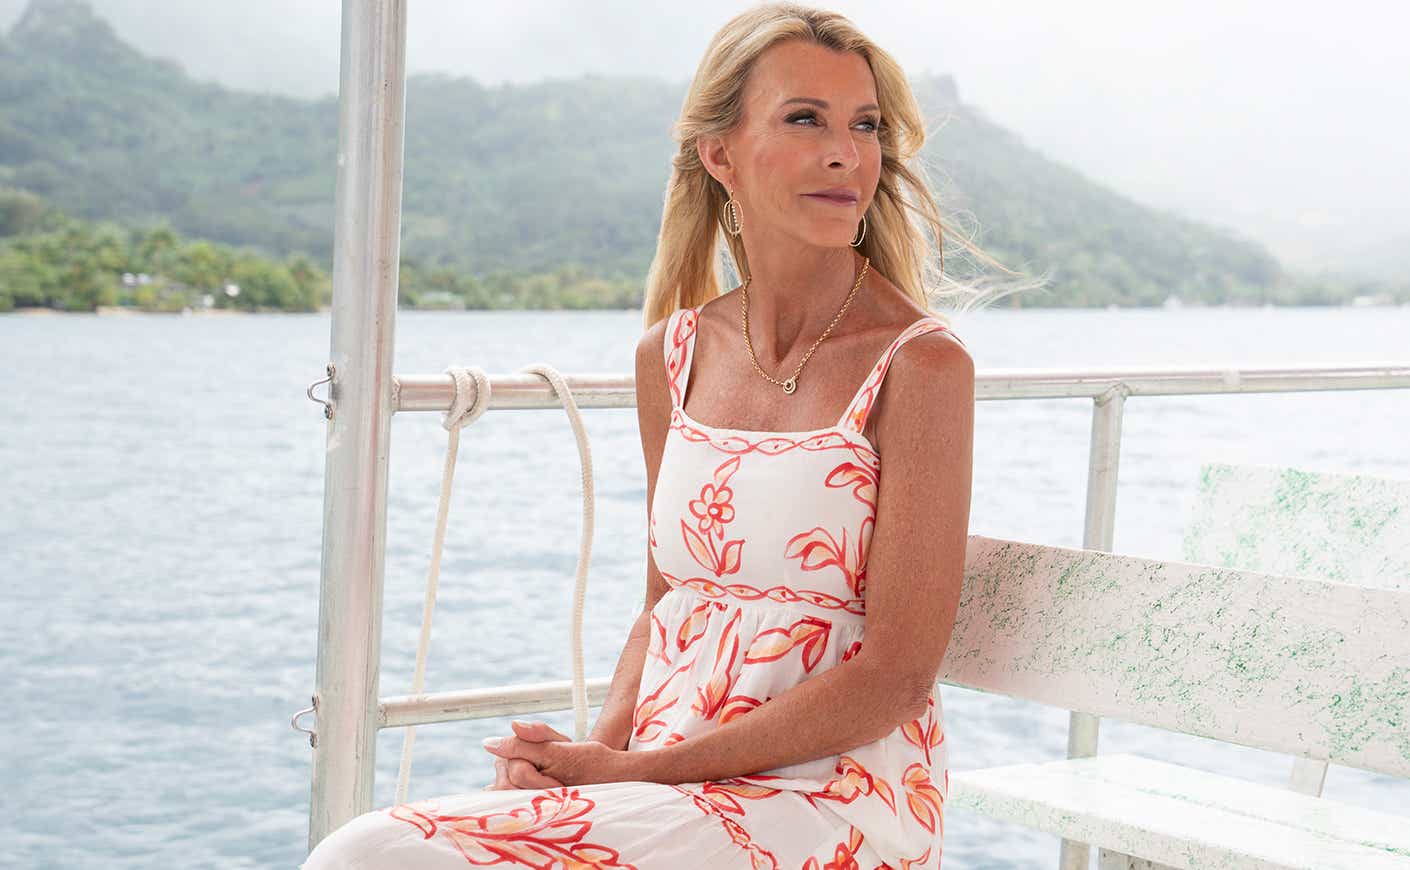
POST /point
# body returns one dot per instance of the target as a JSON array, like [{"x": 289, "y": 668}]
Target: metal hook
[
  {"x": 327, "y": 406},
  {"x": 312, "y": 735}
]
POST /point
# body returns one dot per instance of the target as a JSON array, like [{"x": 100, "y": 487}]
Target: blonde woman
[{"x": 775, "y": 704}]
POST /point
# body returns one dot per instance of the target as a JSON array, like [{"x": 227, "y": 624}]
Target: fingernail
[
  {"x": 491, "y": 742},
  {"x": 521, "y": 724}
]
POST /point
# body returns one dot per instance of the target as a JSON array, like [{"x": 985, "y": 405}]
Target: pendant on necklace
[{"x": 790, "y": 385}]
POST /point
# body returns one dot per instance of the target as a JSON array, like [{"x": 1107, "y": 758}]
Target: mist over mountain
[{"x": 529, "y": 178}]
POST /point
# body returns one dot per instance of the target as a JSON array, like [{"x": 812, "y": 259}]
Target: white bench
[
  {"x": 1304, "y": 666},
  {"x": 1352, "y": 528}
]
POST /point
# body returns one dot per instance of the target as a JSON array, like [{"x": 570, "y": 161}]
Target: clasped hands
[{"x": 537, "y": 756}]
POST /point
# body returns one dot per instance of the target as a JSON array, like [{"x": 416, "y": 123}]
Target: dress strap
[
  {"x": 855, "y": 417},
  {"x": 680, "y": 350}
]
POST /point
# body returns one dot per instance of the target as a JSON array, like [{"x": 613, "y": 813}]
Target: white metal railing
[
  {"x": 366, "y": 256},
  {"x": 1108, "y": 389},
  {"x": 434, "y": 392}
]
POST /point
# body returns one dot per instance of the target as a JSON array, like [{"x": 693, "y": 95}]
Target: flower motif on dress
[
  {"x": 855, "y": 781},
  {"x": 810, "y": 633},
  {"x": 419, "y": 814},
  {"x": 927, "y": 735},
  {"x": 656, "y": 646},
  {"x": 711, "y": 697},
  {"x": 818, "y": 549},
  {"x": 696, "y": 623},
  {"x": 864, "y": 482},
  {"x": 647, "y": 723},
  {"x": 727, "y": 793},
  {"x": 923, "y": 798},
  {"x": 547, "y": 833},
  {"x": 737, "y": 705},
  {"x": 713, "y": 510}
]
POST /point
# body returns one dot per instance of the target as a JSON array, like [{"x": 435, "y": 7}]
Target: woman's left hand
[{"x": 571, "y": 762}]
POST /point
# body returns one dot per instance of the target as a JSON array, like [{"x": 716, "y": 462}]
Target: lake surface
[{"x": 160, "y": 538}]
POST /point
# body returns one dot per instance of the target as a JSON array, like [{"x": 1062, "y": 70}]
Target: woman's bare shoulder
[{"x": 651, "y": 361}]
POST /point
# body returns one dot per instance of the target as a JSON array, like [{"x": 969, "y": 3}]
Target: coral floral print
[{"x": 762, "y": 537}]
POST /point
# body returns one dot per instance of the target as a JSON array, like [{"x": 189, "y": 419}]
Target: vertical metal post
[
  {"x": 366, "y": 253},
  {"x": 1104, "y": 455}
]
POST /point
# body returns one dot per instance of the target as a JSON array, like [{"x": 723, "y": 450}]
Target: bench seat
[{"x": 1184, "y": 817}]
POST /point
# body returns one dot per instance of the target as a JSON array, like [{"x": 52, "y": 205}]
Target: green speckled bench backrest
[
  {"x": 1300, "y": 665},
  {"x": 1344, "y": 527}
]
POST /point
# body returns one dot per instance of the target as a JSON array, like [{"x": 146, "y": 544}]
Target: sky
[{"x": 1284, "y": 121}]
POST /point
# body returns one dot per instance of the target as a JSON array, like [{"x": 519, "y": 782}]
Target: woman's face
[{"x": 809, "y": 125}]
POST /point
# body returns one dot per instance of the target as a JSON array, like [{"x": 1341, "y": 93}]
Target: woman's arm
[
  {"x": 614, "y": 723},
  {"x": 653, "y": 406},
  {"x": 846, "y": 706}
]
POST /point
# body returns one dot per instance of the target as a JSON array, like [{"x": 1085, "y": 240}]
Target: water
[{"x": 161, "y": 528}]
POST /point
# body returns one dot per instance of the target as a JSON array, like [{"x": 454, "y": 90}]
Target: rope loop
[{"x": 465, "y": 406}]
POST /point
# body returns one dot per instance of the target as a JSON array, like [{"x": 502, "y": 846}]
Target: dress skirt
[{"x": 644, "y": 825}]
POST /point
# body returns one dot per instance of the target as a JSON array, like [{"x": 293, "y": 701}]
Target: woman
[{"x": 775, "y": 703}]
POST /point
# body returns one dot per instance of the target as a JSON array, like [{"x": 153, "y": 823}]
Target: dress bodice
[{"x": 774, "y": 517}]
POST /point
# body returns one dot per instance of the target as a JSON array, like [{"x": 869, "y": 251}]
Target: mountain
[
  {"x": 525, "y": 178},
  {"x": 101, "y": 131}
]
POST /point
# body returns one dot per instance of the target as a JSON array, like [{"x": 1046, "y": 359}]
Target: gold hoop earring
[
  {"x": 864, "y": 231},
  {"x": 732, "y": 209}
]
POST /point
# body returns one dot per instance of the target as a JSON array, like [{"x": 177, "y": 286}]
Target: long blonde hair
[{"x": 686, "y": 270}]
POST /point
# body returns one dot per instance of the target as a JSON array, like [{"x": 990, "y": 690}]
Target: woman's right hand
[
  {"x": 514, "y": 773},
  {"x": 519, "y": 773}
]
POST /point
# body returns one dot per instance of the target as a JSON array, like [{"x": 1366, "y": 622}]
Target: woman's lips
[{"x": 835, "y": 200}]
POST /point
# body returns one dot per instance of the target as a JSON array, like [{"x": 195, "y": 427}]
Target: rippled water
[{"x": 161, "y": 526}]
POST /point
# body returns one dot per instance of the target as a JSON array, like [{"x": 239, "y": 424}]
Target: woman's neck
[{"x": 793, "y": 298}]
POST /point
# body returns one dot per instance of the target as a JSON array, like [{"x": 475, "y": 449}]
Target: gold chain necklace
[{"x": 792, "y": 383}]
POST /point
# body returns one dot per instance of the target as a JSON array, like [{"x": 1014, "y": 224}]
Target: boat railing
[{"x": 343, "y": 654}]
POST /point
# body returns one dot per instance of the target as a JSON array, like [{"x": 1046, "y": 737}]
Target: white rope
[
  {"x": 465, "y": 408},
  {"x": 575, "y": 628}
]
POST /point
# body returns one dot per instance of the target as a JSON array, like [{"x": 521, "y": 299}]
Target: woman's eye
[{"x": 872, "y": 124}]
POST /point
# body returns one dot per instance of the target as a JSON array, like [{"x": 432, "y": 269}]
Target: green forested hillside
[
  {"x": 101, "y": 131},
  {"x": 51, "y": 260},
  {"x": 556, "y": 186}
]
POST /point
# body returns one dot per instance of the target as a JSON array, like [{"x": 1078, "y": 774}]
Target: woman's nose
[{"x": 843, "y": 149}]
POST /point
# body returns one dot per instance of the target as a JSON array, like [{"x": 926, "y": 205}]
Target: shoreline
[{"x": 125, "y": 311}]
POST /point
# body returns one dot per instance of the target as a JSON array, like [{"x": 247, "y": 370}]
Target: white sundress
[{"x": 762, "y": 537}]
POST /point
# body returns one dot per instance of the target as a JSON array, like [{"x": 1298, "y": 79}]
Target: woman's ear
[{"x": 715, "y": 158}]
